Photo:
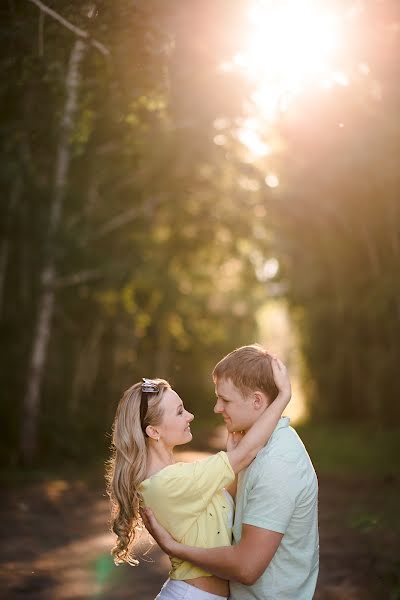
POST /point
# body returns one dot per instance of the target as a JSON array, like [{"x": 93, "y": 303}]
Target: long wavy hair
[{"x": 126, "y": 468}]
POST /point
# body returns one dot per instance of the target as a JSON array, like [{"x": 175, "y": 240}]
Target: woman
[{"x": 189, "y": 499}]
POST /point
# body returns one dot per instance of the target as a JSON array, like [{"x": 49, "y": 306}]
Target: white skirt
[{"x": 173, "y": 589}]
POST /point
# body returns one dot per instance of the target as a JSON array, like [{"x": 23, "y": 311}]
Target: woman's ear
[{"x": 152, "y": 433}]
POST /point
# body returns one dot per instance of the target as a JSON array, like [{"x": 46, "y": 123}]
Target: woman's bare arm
[{"x": 260, "y": 432}]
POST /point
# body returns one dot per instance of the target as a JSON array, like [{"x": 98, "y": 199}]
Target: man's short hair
[{"x": 249, "y": 369}]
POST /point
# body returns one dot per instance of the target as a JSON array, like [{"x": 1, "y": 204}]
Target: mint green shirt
[{"x": 279, "y": 492}]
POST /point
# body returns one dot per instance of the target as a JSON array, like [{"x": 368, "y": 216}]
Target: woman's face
[{"x": 174, "y": 428}]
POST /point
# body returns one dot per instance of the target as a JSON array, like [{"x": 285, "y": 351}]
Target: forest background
[
  {"x": 166, "y": 199},
  {"x": 140, "y": 235}
]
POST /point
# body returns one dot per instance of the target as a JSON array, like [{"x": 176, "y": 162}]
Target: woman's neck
[{"x": 158, "y": 457}]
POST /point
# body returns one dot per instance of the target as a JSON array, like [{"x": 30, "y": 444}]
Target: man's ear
[{"x": 260, "y": 400}]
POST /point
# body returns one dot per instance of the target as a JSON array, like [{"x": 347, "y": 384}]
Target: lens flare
[{"x": 288, "y": 47}]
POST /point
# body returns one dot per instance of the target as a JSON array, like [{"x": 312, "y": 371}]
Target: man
[{"x": 274, "y": 555}]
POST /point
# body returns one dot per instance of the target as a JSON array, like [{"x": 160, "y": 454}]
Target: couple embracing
[{"x": 240, "y": 524}]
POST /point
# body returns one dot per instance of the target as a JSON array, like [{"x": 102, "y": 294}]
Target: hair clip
[{"x": 149, "y": 386}]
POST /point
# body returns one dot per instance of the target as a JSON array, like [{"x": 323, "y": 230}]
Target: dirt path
[{"x": 56, "y": 545}]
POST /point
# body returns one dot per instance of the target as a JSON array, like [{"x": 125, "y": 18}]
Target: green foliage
[
  {"x": 364, "y": 521},
  {"x": 152, "y": 276},
  {"x": 339, "y": 222},
  {"x": 162, "y": 227}
]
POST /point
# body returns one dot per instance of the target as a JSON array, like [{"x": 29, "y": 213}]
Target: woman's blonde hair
[{"x": 126, "y": 468}]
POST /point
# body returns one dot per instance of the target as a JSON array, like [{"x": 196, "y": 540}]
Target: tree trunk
[
  {"x": 16, "y": 192},
  {"x": 87, "y": 365},
  {"x": 31, "y": 403}
]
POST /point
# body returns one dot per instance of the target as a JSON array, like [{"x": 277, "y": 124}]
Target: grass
[{"x": 349, "y": 449}]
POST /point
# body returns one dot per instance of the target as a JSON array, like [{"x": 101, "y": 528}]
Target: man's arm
[{"x": 238, "y": 563}]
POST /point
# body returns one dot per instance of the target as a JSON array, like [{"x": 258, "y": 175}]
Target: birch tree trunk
[{"x": 31, "y": 402}]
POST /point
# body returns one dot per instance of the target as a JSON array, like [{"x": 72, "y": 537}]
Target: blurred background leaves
[{"x": 190, "y": 206}]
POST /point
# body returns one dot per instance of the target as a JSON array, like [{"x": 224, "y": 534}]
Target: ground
[{"x": 56, "y": 544}]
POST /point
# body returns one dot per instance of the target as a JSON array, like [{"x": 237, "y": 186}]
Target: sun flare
[
  {"x": 291, "y": 39},
  {"x": 288, "y": 47}
]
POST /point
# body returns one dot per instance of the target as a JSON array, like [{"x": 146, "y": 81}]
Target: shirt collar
[{"x": 283, "y": 422}]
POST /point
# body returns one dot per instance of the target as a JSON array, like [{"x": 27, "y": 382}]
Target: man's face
[{"x": 237, "y": 411}]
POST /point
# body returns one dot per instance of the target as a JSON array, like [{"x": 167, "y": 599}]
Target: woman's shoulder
[
  {"x": 168, "y": 473},
  {"x": 184, "y": 471}
]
